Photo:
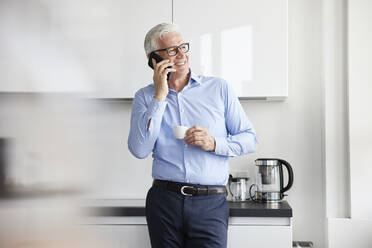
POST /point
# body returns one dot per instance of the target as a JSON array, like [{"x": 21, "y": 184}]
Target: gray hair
[{"x": 152, "y": 36}]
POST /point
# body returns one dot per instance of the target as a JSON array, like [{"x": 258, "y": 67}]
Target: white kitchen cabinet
[
  {"x": 259, "y": 237},
  {"x": 118, "y": 236},
  {"x": 96, "y": 47},
  {"x": 117, "y": 232},
  {"x": 261, "y": 232},
  {"x": 242, "y": 41},
  {"x": 253, "y": 225},
  {"x": 93, "y": 47},
  {"x": 252, "y": 232}
]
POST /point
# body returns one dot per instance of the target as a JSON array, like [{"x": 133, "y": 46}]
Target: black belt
[{"x": 190, "y": 189}]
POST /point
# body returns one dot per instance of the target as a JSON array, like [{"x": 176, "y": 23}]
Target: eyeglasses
[{"x": 172, "y": 51}]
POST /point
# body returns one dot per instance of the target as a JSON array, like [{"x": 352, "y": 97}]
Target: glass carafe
[{"x": 238, "y": 188}]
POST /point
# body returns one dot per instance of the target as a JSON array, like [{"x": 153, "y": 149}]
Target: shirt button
[{"x": 187, "y": 181}]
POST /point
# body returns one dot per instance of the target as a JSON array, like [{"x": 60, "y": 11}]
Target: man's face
[{"x": 180, "y": 60}]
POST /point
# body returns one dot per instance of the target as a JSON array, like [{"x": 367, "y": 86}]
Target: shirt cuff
[
  {"x": 221, "y": 146},
  {"x": 156, "y": 108}
]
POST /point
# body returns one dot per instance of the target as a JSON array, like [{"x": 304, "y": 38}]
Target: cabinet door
[
  {"x": 77, "y": 46},
  {"x": 259, "y": 237},
  {"x": 118, "y": 236},
  {"x": 243, "y": 41},
  {"x": 115, "y": 236}
]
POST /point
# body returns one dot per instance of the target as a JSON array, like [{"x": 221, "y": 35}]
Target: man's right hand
[{"x": 160, "y": 78}]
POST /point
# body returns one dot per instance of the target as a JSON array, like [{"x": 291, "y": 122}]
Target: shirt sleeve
[
  {"x": 141, "y": 140},
  {"x": 241, "y": 138}
]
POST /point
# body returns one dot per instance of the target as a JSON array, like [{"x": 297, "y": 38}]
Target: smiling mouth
[{"x": 180, "y": 63}]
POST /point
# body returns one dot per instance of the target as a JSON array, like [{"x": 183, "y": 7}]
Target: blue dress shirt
[{"x": 208, "y": 102}]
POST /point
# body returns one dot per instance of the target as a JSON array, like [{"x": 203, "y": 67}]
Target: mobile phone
[{"x": 157, "y": 58}]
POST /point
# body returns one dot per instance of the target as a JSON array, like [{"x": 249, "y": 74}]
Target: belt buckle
[{"x": 186, "y": 186}]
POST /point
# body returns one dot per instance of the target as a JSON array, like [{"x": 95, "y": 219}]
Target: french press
[{"x": 269, "y": 180}]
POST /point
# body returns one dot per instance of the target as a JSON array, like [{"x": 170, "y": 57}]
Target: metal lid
[
  {"x": 266, "y": 161},
  {"x": 235, "y": 179}
]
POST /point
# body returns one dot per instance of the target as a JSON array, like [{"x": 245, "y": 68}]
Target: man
[{"x": 186, "y": 206}]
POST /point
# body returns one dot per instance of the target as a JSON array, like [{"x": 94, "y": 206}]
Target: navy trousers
[{"x": 177, "y": 221}]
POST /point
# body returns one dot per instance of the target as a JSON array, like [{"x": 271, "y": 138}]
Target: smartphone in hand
[{"x": 157, "y": 58}]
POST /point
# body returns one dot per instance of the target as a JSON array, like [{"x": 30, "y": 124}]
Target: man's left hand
[{"x": 199, "y": 136}]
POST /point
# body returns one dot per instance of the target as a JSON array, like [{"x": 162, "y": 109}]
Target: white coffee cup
[{"x": 179, "y": 132}]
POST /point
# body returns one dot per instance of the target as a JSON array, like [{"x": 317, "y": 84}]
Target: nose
[{"x": 179, "y": 54}]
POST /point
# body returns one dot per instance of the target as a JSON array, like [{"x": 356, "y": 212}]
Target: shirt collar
[{"x": 194, "y": 79}]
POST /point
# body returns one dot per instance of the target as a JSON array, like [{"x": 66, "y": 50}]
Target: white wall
[
  {"x": 290, "y": 130},
  {"x": 347, "y": 130},
  {"x": 347, "y": 182},
  {"x": 336, "y": 156},
  {"x": 360, "y": 117}
]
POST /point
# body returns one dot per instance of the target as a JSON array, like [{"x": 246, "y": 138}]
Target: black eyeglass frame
[{"x": 178, "y": 48}]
